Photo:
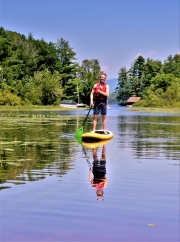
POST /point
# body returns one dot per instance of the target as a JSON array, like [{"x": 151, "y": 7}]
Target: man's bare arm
[{"x": 92, "y": 95}]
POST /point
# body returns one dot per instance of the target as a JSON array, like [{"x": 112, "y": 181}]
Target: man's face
[{"x": 102, "y": 78}]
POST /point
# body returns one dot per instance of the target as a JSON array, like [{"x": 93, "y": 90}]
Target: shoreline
[
  {"x": 38, "y": 108},
  {"x": 157, "y": 110},
  {"x": 57, "y": 108}
]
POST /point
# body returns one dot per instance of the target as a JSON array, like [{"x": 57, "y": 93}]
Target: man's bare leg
[
  {"x": 95, "y": 122},
  {"x": 104, "y": 123}
]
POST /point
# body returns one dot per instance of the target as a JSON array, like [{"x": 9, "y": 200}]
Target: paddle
[{"x": 79, "y": 133}]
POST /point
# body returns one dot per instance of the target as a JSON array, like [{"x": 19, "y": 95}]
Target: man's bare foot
[
  {"x": 93, "y": 131},
  {"x": 105, "y": 132}
]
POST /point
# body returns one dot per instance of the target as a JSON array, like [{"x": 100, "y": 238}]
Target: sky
[{"x": 113, "y": 31}]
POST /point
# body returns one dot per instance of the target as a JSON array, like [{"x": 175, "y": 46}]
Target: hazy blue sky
[{"x": 113, "y": 31}]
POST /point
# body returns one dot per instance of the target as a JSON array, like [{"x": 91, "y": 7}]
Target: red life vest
[{"x": 97, "y": 95}]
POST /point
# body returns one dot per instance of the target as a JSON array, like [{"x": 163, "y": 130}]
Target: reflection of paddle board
[
  {"x": 97, "y": 135},
  {"x": 95, "y": 144}
]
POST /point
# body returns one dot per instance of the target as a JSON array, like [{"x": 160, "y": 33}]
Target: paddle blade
[
  {"x": 79, "y": 140},
  {"x": 79, "y": 133}
]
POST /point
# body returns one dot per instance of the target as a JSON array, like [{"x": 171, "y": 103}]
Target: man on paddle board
[{"x": 98, "y": 100}]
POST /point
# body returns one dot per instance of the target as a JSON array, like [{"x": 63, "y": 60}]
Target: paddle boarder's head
[{"x": 103, "y": 77}]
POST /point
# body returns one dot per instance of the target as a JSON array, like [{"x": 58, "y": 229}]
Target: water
[{"x": 48, "y": 191}]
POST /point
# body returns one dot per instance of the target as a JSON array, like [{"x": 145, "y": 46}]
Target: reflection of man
[{"x": 97, "y": 174}]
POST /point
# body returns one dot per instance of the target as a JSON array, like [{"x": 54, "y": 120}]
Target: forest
[
  {"x": 157, "y": 83},
  {"x": 34, "y": 72}
]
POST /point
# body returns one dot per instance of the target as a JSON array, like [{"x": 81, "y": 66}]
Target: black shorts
[{"x": 100, "y": 107}]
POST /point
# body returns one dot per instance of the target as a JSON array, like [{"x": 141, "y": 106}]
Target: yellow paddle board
[
  {"x": 97, "y": 135},
  {"x": 95, "y": 144}
]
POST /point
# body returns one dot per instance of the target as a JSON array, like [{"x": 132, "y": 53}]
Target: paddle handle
[{"x": 87, "y": 116}]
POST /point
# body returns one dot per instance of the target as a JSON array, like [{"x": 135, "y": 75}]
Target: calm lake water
[{"x": 49, "y": 191}]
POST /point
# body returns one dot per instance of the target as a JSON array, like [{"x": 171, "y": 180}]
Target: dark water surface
[{"x": 49, "y": 193}]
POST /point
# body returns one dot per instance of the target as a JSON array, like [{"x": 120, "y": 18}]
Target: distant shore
[
  {"x": 37, "y": 108},
  {"x": 57, "y": 108},
  {"x": 157, "y": 110}
]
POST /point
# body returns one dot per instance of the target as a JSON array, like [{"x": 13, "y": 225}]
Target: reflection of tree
[
  {"x": 97, "y": 173},
  {"x": 151, "y": 135},
  {"x": 31, "y": 149}
]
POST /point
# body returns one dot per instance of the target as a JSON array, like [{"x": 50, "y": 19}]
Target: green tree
[
  {"x": 22, "y": 59},
  {"x": 136, "y": 75},
  {"x": 2, "y": 80},
  {"x": 67, "y": 66},
  {"x": 172, "y": 65},
  {"x": 43, "y": 88},
  {"x": 162, "y": 81},
  {"x": 74, "y": 90},
  {"x": 5, "y": 48},
  {"x": 123, "y": 88},
  {"x": 164, "y": 90},
  {"x": 89, "y": 74},
  {"x": 151, "y": 69},
  {"x": 157, "y": 83},
  {"x": 47, "y": 56},
  {"x": 51, "y": 88}
]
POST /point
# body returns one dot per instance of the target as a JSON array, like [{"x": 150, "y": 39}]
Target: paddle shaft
[{"x": 87, "y": 116}]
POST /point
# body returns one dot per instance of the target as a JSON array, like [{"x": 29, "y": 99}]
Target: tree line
[
  {"x": 157, "y": 83},
  {"x": 40, "y": 73}
]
